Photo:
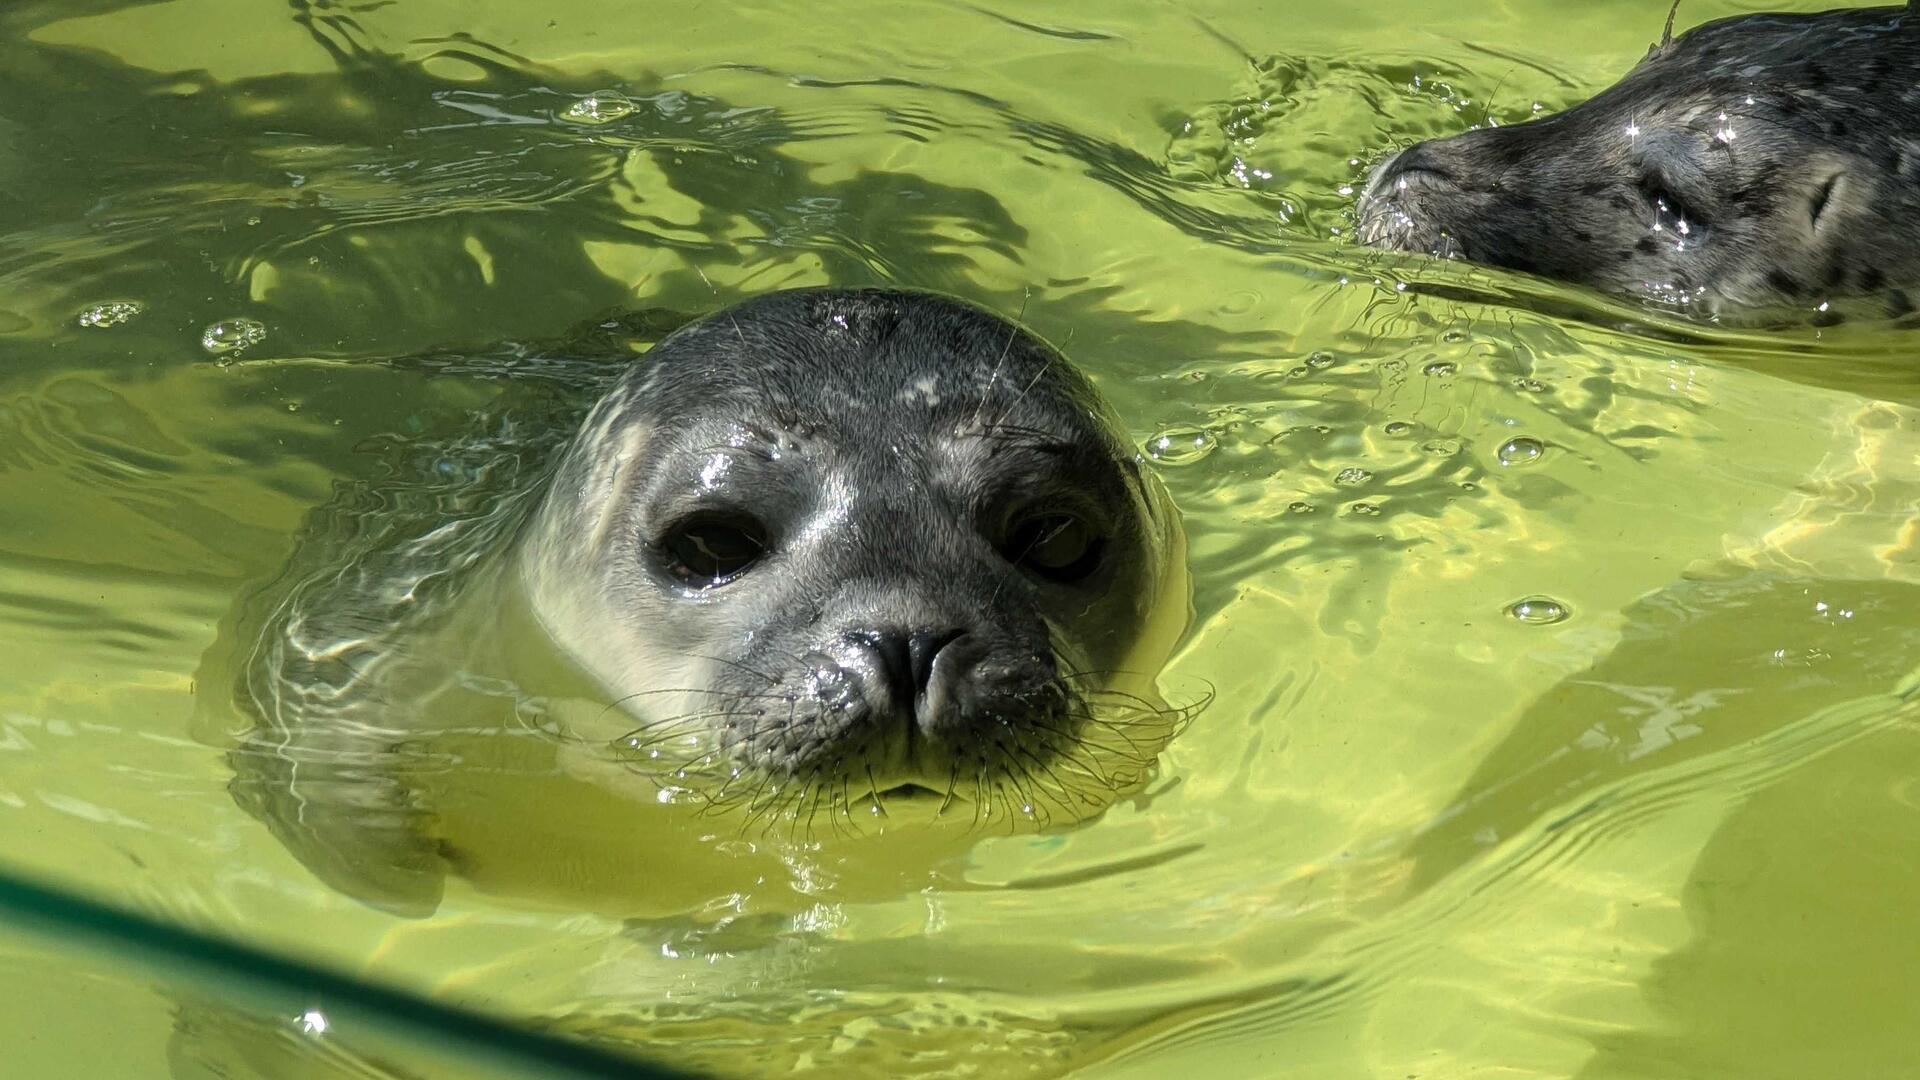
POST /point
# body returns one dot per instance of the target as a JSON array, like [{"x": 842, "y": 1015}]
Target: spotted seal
[
  {"x": 1762, "y": 160},
  {"x": 824, "y": 553}
]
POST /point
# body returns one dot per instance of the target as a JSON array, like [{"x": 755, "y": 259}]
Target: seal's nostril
[
  {"x": 906, "y": 659},
  {"x": 895, "y": 658},
  {"x": 922, "y": 647}
]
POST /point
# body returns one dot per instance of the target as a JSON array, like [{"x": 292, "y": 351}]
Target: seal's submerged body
[
  {"x": 1757, "y": 160},
  {"x": 820, "y": 553}
]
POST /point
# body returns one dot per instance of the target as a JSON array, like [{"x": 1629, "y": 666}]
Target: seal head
[
  {"x": 830, "y": 547},
  {"x": 1757, "y": 160}
]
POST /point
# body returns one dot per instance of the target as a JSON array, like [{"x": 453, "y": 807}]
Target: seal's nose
[
  {"x": 1420, "y": 157},
  {"x": 906, "y": 660},
  {"x": 1419, "y": 165},
  {"x": 1413, "y": 202}
]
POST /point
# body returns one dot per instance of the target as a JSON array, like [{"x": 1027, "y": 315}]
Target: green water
[{"x": 1675, "y": 834}]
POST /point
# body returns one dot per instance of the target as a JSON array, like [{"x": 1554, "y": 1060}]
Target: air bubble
[
  {"x": 230, "y": 336},
  {"x": 1801, "y": 658},
  {"x": 1302, "y": 507},
  {"x": 1441, "y": 369},
  {"x": 1352, "y": 476},
  {"x": 1539, "y": 611},
  {"x": 1521, "y": 451},
  {"x": 1321, "y": 360},
  {"x": 1441, "y": 447},
  {"x": 111, "y": 313},
  {"x": 1399, "y": 428},
  {"x": 1531, "y": 386},
  {"x": 1365, "y": 509},
  {"x": 1181, "y": 445},
  {"x": 600, "y": 107}
]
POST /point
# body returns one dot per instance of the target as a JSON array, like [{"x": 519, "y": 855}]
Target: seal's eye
[
  {"x": 1670, "y": 210},
  {"x": 1821, "y": 200},
  {"x": 1058, "y": 547},
  {"x": 709, "y": 549}
]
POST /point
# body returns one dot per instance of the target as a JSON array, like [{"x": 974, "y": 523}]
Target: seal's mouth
[
  {"x": 908, "y": 790},
  {"x": 909, "y": 793},
  {"x": 1058, "y": 767}
]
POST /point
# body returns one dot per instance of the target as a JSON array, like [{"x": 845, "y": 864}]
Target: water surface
[{"x": 1662, "y": 825}]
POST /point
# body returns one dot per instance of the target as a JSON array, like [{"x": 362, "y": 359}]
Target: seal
[
  {"x": 825, "y": 553},
  {"x": 1760, "y": 160}
]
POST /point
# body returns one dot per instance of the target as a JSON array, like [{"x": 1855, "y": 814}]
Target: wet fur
[{"x": 1758, "y": 160}]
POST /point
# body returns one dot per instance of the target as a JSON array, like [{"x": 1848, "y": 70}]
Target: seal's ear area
[
  {"x": 1671, "y": 172},
  {"x": 1665, "y": 44}
]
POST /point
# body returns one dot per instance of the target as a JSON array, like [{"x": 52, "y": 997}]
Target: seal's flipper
[
  {"x": 340, "y": 690},
  {"x": 334, "y": 667},
  {"x": 345, "y": 815}
]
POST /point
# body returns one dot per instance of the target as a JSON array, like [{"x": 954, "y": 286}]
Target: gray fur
[
  {"x": 1758, "y": 160},
  {"x": 889, "y": 642}
]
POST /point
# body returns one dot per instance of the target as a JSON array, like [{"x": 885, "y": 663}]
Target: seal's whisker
[
  {"x": 827, "y": 797},
  {"x": 765, "y": 800},
  {"x": 768, "y": 679},
  {"x": 845, "y": 805},
  {"x": 1092, "y": 719},
  {"x": 630, "y": 744},
  {"x": 946, "y": 801},
  {"x": 873, "y": 786},
  {"x": 1067, "y": 791},
  {"x": 807, "y": 807},
  {"x": 1067, "y": 735},
  {"x": 1020, "y": 435},
  {"x": 1024, "y": 391},
  {"x": 620, "y": 702},
  {"x": 1006, "y": 348},
  {"x": 727, "y": 788},
  {"x": 833, "y": 797},
  {"x": 1114, "y": 698},
  {"x": 1071, "y": 757},
  {"x": 1015, "y": 776},
  {"x": 981, "y": 794},
  {"x": 1005, "y": 788},
  {"x": 1138, "y": 711}
]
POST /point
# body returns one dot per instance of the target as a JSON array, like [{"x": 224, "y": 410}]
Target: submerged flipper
[{"x": 335, "y": 664}]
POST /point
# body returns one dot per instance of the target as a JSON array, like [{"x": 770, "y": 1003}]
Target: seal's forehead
[{"x": 810, "y": 358}]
